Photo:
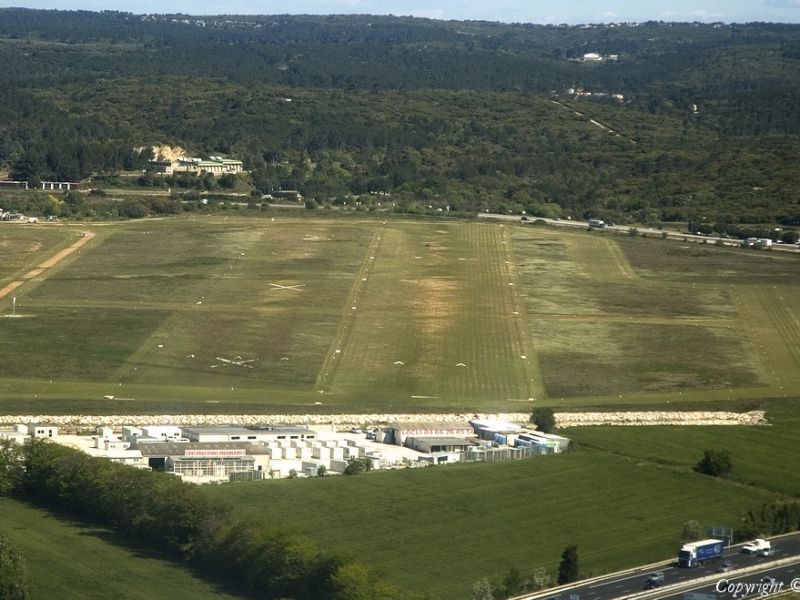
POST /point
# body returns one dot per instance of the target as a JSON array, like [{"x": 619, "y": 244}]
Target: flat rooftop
[
  {"x": 442, "y": 440},
  {"x": 180, "y": 448},
  {"x": 241, "y": 430}
]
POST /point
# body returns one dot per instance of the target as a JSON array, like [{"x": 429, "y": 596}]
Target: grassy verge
[{"x": 69, "y": 560}]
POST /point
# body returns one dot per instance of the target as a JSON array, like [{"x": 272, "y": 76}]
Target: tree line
[
  {"x": 179, "y": 521},
  {"x": 437, "y": 114}
]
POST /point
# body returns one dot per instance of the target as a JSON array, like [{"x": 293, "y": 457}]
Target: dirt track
[{"x": 48, "y": 264}]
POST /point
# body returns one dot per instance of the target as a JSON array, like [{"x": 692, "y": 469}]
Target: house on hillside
[{"x": 216, "y": 165}]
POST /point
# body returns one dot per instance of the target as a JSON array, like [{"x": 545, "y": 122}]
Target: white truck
[{"x": 758, "y": 546}]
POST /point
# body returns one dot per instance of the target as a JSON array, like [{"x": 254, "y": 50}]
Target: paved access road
[
  {"x": 633, "y": 582},
  {"x": 672, "y": 235}
]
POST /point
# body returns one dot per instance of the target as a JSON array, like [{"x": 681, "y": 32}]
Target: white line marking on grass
[
  {"x": 295, "y": 287},
  {"x": 237, "y": 361}
]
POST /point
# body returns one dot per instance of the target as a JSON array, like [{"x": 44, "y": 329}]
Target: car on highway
[
  {"x": 768, "y": 581},
  {"x": 755, "y": 546},
  {"x": 724, "y": 567},
  {"x": 654, "y": 580}
]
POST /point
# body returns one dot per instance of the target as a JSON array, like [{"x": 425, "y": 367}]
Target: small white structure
[
  {"x": 42, "y": 430},
  {"x": 170, "y": 433},
  {"x": 59, "y": 185},
  {"x": 18, "y": 435}
]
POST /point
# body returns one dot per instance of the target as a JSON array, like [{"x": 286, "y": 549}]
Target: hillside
[{"x": 466, "y": 115}]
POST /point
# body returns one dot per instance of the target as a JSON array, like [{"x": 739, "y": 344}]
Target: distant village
[{"x": 234, "y": 452}]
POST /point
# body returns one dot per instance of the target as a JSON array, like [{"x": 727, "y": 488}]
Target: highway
[
  {"x": 677, "y": 581},
  {"x": 671, "y": 235}
]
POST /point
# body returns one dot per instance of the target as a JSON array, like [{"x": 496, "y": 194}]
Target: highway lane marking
[{"x": 638, "y": 575}]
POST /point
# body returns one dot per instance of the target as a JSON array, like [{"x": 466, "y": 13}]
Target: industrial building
[
  {"x": 266, "y": 433},
  {"x": 232, "y": 452},
  {"x": 205, "y": 459},
  {"x": 396, "y": 433}
]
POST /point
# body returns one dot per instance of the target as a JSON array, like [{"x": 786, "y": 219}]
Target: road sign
[{"x": 722, "y": 533}]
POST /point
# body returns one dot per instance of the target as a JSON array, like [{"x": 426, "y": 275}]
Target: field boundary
[
  {"x": 327, "y": 371},
  {"x": 523, "y": 334},
  {"x": 344, "y": 420},
  {"x": 610, "y": 263},
  {"x": 771, "y": 326}
]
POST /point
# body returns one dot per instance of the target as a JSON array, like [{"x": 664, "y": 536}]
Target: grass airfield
[
  {"x": 333, "y": 315},
  {"x": 250, "y": 314}
]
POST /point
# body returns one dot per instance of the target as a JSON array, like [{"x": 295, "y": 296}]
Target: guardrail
[
  {"x": 557, "y": 591},
  {"x": 685, "y": 585}
]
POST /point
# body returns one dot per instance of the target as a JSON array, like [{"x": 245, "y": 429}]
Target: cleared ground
[{"x": 387, "y": 315}]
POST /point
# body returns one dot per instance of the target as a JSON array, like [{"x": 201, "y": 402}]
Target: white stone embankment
[
  {"x": 339, "y": 421},
  {"x": 753, "y": 417}
]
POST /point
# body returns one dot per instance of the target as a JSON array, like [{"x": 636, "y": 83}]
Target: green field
[
  {"x": 337, "y": 314},
  {"x": 344, "y": 314},
  {"x": 439, "y": 530},
  {"x": 762, "y": 456},
  {"x": 68, "y": 560},
  {"x": 22, "y": 247}
]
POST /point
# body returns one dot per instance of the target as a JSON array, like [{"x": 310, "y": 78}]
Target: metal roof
[
  {"x": 442, "y": 441},
  {"x": 431, "y": 425},
  {"x": 179, "y": 448},
  {"x": 240, "y": 430}
]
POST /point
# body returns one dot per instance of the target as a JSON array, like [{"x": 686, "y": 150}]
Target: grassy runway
[{"x": 386, "y": 315}]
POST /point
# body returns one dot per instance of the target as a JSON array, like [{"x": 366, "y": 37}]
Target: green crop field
[
  {"x": 439, "y": 530},
  {"x": 762, "y": 456},
  {"x": 224, "y": 314},
  {"x": 69, "y": 560}
]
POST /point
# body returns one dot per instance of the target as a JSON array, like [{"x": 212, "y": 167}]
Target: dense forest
[{"x": 669, "y": 122}]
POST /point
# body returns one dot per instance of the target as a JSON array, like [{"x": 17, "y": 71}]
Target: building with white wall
[
  {"x": 42, "y": 430},
  {"x": 232, "y": 433}
]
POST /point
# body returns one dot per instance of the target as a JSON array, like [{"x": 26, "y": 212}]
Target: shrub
[
  {"x": 716, "y": 463},
  {"x": 544, "y": 419}
]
